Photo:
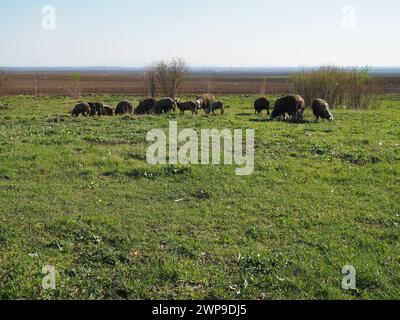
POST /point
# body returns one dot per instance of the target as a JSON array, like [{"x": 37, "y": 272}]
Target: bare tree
[
  {"x": 3, "y": 82},
  {"x": 206, "y": 84},
  {"x": 171, "y": 75},
  {"x": 150, "y": 77}
]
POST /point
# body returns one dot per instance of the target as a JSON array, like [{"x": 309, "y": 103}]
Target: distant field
[
  {"x": 132, "y": 84},
  {"x": 78, "y": 194}
]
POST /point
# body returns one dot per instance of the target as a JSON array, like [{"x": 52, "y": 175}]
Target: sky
[{"x": 226, "y": 33}]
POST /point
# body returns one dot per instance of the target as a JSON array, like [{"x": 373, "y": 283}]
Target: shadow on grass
[
  {"x": 283, "y": 121},
  {"x": 261, "y": 120},
  {"x": 244, "y": 114}
]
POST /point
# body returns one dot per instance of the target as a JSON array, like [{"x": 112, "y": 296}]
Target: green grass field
[{"x": 78, "y": 194}]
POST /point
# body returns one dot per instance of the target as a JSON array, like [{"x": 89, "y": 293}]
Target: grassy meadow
[{"x": 78, "y": 194}]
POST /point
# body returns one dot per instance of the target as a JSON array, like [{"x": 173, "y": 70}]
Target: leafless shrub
[
  {"x": 362, "y": 90},
  {"x": 170, "y": 76},
  {"x": 3, "y": 82},
  {"x": 355, "y": 88}
]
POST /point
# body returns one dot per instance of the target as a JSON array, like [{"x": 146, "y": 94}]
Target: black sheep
[
  {"x": 81, "y": 108},
  {"x": 164, "y": 105},
  {"x": 145, "y": 106},
  {"x": 293, "y": 105},
  {"x": 188, "y": 106},
  {"x": 261, "y": 104}
]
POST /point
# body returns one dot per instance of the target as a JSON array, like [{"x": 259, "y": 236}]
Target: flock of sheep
[{"x": 287, "y": 107}]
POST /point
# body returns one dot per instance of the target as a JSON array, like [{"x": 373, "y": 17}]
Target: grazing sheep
[
  {"x": 293, "y": 105},
  {"x": 164, "y": 105},
  {"x": 321, "y": 110},
  {"x": 81, "y": 108},
  {"x": 188, "y": 106},
  {"x": 301, "y": 107},
  {"x": 108, "y": 111},
  {"x": 215, "y": 106},
  {"x": 145, "y": 106},
  {"x": 205, "y": 100},
  {"x": 92, "y": 108},
  {"x": 124, "y": 107},
  {"x": 261, "y": 104},
  {"x": 198, "y": 104},
  {"x": 96, "y": 108}
]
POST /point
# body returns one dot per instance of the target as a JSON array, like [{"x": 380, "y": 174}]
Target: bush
[
  {"x": 169, "y": 76},
  {"x": 353, "y": 88}
]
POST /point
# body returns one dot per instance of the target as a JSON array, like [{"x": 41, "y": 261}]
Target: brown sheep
[
  {"x": 293, "y": 105},
  {"x": 124, "y": 107},
  {"x": 164, "y": 105},
  {"x": 261, "y": 104},
  {"x": 205, "y": 100},
  {"x": 145, "y": 106},
  {"x": 108, "y": 111},
  {"x": 81, "y": 108},
  {"x": 321, "y": 110},
  {"x": 215, "y": 106},
  {"x": 188, "y": 106}
]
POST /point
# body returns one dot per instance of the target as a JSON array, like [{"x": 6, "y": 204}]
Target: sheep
[
  {"x": 81, "y": 108},
  {"x": 321, "y": 110},
  {"x": 124, "y": 107},
  {"x": 164, "y": 105},
  {"x": 215, "y": 106},
  {"x": 189, "y": 106},
  {"x": 145, "y": 106},
  {"x": 261, "y": 104},
  {"x": 108, "y": 111},
  {"x": 92, "y": 108},
  {"x": 301, "y": 107},
  {"x": 96, "y": 108},
  {"x": 293, "y": 105},
  {"x": 205, "y": 100}
]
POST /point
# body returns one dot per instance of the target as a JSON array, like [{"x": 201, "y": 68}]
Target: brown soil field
[{"x": 132, "y": 84}]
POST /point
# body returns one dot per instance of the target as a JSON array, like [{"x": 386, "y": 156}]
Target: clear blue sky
[{"x": 204, "y": 33}]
